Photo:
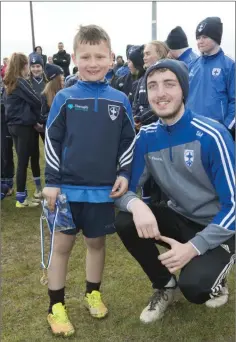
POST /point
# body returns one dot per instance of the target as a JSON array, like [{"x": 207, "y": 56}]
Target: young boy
[{"x": 89, "y": 149}]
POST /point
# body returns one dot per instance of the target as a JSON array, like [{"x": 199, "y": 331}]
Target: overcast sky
[{"x": 125, "y": 22}]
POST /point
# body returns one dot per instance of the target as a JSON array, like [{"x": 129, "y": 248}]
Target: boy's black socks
[
  {"x": 56, "y": 296},
  {"x": 90, "y": 287}
]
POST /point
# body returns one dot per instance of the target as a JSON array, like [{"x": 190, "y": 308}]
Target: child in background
[
  {"x": 89, "y": 149},
  {"x": 38, "y": 81},
  {"x": 22, "y": 107},
  {"x": 55, "y": 77}
]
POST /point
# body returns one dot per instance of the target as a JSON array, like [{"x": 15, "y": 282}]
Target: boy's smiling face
[{"x": 93, "y": 61}]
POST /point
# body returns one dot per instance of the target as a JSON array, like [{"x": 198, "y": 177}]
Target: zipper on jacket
[
  {"x": 170, "y": 147},
  {"x": 96, "y": 101},
  {"x": 64, "y": 156},
  {"x": 222, "y": 111}
]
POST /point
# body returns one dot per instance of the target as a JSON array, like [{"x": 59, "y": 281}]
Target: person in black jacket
[
  {"x": 126, "y": 83},
  {"x": 62, "y": 59},
  {"x": 22, "y": 106},
  {"x": 7, "y": 162},
  {"x": 143, "y": 114},
  {"x": 39, "y": 51}
]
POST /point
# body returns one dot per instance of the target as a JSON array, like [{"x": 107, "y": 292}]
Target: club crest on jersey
[
  {"x": 216, "y": 71},
  {"x": 201, "y": 27},
  {"x": 189, "y": 157},
  {"x": 113, "y": 111}
]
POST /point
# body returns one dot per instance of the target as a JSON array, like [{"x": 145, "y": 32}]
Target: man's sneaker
[
  {"x": 220, "y": 298},
  {"x": 10, "y": 192},
  {"x": 59, "y": 321},
  {"x": 93, "y": 302},
  {"x": 37, "y": 198},
  {"x": 26, "y": 204},
  {"x": 158, "y": 304}
]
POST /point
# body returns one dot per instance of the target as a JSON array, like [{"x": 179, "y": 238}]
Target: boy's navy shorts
[{"x": 94, "y": 219}]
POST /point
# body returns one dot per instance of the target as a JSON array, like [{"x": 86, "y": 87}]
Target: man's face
[
  {"x": 5, "y": 61},
  {"x": 36, "y": 70},
  {"x": 50, "y": 61},
  {"x": 206, "y": 44},
  {"x": 119, "y": 60},
  {"x": 93, "y": 61},
  {"x": 150, "y": 55},
  {"x": 164, "y": 94},
  {"x": 39, "y": 51},
  {"x": 60, "y": 46}
]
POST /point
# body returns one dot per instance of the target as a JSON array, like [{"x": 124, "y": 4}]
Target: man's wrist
[
  {"x": 194, "y": 250},
  {"x": 131, "y": 204}
]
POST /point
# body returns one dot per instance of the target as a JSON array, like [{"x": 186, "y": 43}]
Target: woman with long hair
[
  {"x": 55, "y": 77},
  {"x": 22, "y": 106}
]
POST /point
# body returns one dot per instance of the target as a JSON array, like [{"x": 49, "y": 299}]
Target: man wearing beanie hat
[
  {"x": 177, "y": 42},
  {"x": 191, "y": 158},
  {"x": 212, "y": 76}
]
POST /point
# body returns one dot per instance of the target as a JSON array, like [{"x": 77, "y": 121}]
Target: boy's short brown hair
[{"x": 92, "y": 34}]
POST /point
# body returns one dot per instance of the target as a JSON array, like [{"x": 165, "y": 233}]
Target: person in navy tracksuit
[
  {"x": 212, "y": 76},
  {"x": 88, "y": 149},
  {"x": 38, "y": 81},
  {"x": 22, "y": 106},
  {"x": 177, "y": 42},
  {"x": 192, "y": 159}
]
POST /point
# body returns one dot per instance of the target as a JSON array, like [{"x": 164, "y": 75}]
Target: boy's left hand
[{"x": 120, "y": 187}]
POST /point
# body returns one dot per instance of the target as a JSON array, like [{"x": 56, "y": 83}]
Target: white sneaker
[
  {"x": 37, "y": 196},
  {"x": 221, "y": 298},
  {"x": 159, "y": 302}
]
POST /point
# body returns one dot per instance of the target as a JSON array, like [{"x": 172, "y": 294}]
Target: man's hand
[
  {"x": 144, "y": 220},
  {"x": 50, "y": 194},
  {"x": 120, "y": 187},
  {"x": 178, "y": 256}
]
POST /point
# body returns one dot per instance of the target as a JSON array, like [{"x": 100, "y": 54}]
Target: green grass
[{"x": 125, "y": 290}]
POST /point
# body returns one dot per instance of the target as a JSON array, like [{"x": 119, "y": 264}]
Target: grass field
[{"x": 125, "y": 288}]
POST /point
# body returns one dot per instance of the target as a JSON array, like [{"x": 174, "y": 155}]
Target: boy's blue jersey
[{"x": 90, "y": 138}]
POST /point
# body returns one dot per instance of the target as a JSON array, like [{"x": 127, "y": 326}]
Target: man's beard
[{"x": 171, "y": 115}]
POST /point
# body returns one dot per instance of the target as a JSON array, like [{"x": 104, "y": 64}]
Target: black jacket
[
  {"x": 141, "y": 109},
  {"x": 23, "y": 105},
  {"x": 44, "y": 110},
  {"x": 62, "y": 59}
]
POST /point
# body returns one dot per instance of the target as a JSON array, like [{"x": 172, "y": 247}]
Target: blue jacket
[
  {"x": 212, "y": 88},
  {"x": 89, "y": 133},
  {"x": 188, "y": 56},
  {"x": 23, "y": 105},
  {"x": 124, "y": 70},
  {"x": 193, "y": 163}
]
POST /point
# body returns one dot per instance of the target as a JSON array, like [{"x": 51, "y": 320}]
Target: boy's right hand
[{"x": 50, "y": 194}]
